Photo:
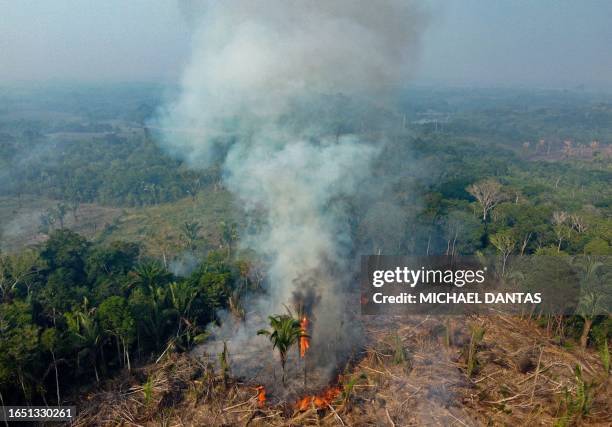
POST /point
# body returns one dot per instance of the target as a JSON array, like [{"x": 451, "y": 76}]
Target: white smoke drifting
[{"x": 252, "y": 61}]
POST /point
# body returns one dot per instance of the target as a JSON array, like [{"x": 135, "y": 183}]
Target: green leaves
[
  {"x": 190, "y": 234},
  {"x": 91, "y": 307},
  {"x": 285, "y": 332},
  {"x": 115, "y": 318},
  {"x": 66, "y": 249},
  {"x": 149, "y": 275},
  {"x": 83, "y": 324}
]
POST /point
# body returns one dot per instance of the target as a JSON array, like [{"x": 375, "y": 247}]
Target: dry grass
[
  {"x": 428, "y": 386},
  {"x": 157, "y": 227},
  {"x": 20, "y": 220}
]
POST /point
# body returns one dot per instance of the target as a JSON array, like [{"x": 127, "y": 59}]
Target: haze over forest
[
  {"x": 188, "y": 190},
  {"x": 551, "y": 44}
]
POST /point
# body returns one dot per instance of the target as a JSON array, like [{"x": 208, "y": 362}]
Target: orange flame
[
  {"x": 304, "y": 340},
  {"x": 261, "y": 396},
  {"x": 319, "y": 401}
]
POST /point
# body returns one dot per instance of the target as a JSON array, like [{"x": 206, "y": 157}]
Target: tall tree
[
  {"x": 116, "y": 319},
  {"x": 182, "y": 295},
  {"x": 50, "y": 340},
  {"x": 505, "y": 243},
  {"x": 17, "y": 271},
  {"x": 229, "y": 235},
  {"x": 190, "y": 233},
  {"x": 488, "y": 193},
  {"x": 595, "y": 293},
  {"x": 19, "y": 341},
  {"x": 562, "y": 230},
  {"x": 149, "y": 275},
  {"x": 85, "y": 330}
]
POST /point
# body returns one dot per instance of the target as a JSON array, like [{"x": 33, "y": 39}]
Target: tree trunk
[
  {"x": 25, "y": 394},
  {"x": 57, "y": 389},
  {"x": 119, "y": 358},
  {"x": 4, "y": 410},
  {"x": 586, "y": 328},
  {"x": 103, "y": 360},
  {"x": 305, "y": 371},
  {"x": 138, "y": 344},
  {"x": 127, "y": 355},
  {"x": 283, "y": 362},
  {"x": 525, "y": 242},
  {"x": 505, "y": 259}
]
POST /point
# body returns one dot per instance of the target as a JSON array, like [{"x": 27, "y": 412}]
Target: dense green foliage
[
  {"x": 87, "y": 310},
  {"x": 80, "y": 310},
  {"x": 112, "y": 169},
  {"x": 88, "y": 144}
]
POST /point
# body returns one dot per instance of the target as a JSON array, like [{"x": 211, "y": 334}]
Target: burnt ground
[{"x": 412, "y": 372}]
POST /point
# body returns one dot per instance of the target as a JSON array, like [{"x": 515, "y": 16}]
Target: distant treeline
[{"x": 118, "y": 170}]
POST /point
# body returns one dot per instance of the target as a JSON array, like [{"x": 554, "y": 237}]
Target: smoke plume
[{"x": 254, "y": 64}]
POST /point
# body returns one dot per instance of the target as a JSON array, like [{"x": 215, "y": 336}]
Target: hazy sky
[{"x": 545, "y": 43}]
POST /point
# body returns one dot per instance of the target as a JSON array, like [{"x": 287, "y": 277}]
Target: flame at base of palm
[
  {"x": 261, "y": 396},
  {"x": 304, "y": 348},
  {"x": 318, "y": 401}
]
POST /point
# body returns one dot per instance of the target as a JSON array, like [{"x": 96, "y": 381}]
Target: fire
[
  {"x": 322, "y": 400},
  {"x": 261, "y": 396},
  {"x": 304, "y": 339}
]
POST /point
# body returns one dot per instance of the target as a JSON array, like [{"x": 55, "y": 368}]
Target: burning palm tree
[
  {"x": 304, "y": 338},
  {"x": 285, "y": 332}
]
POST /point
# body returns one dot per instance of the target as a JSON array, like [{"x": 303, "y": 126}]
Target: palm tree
[
  {"x": 150, "y": 275},
  {"x": 181, "y": 298},
  {"x": 158, "y": 315},
  {"x": 84, "y": 326},
  {"x": 592, "y": 298},
  {"x": 286, "y": 331},
  {"x": 229, "y": 235},
  {"x": 190, "y": 234},
  {"x": 153, "y": 297}
]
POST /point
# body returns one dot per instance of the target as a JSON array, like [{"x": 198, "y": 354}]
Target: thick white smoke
[
  {"x": 251, "y": 58},
  {"x": 295, "y": 182},
  {"x": 252, "y": 61}
]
